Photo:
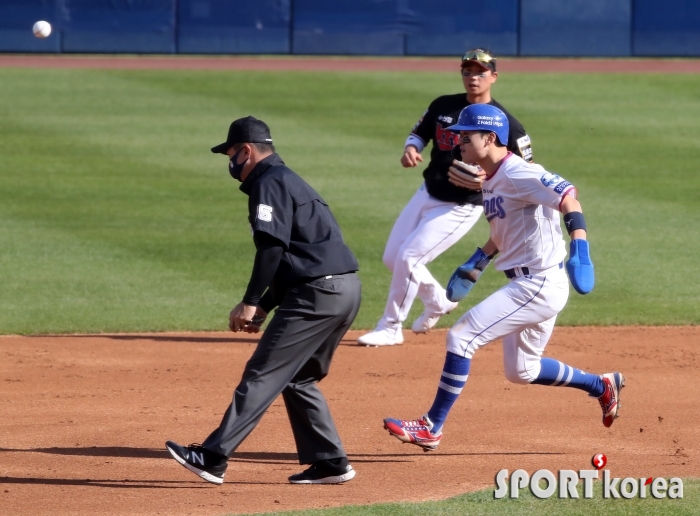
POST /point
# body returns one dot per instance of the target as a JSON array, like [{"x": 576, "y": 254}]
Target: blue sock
[
  {"x": 454, "y": 377},
  {"x": 554, "y": 372}
]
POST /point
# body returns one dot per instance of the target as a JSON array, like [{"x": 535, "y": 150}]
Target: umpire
[{"x": 302, "y": 267}]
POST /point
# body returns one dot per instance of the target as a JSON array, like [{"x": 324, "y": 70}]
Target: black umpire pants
[{"x": 294, "y": 353}]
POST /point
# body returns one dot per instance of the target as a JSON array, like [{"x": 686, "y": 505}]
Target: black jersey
[
  {"x": 285, "y": 207},
  {"x": 442, "y": 113}
]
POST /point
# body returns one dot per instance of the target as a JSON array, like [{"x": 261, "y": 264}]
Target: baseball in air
[{"x": 42, "y": 29}]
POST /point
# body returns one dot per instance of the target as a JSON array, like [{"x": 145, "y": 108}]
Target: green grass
[
  {"x": 483, "y": 502},
  {"x": 116, "y": 217}
]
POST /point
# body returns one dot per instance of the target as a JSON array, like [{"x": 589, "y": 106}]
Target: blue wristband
[{"x": 574, "y": 220}]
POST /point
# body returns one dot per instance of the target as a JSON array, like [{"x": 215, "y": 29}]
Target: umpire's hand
[
  {"x": 257, "y": 322},
  {"x": 240, "y": 316}
]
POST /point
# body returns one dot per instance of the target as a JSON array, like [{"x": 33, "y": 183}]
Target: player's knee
[
  {"x": 408, "y": 257},
  {"x": 457, "y": 345},
  {"x": 519, "y": 375},
  {"x": 389, "y": 259}
]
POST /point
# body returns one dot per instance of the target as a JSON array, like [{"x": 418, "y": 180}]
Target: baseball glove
[
  {"x": 466, "y": 275},
  {"x": 466, "y": 176}
]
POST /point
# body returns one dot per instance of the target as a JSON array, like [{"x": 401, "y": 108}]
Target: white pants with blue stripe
[
  {"x": 426, "y": 228},
  {"x": 522, "y": 313}
]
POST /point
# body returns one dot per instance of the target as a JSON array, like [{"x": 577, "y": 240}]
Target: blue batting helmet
[{"x": 483, "y": 117}]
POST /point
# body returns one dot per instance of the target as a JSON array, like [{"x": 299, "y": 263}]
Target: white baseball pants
[
  {"x": 426, "y": 228},
  {"x": 523, "y": 314}
]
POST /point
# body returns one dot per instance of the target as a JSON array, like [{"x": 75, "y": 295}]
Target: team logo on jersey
[
  {"x": 264, "y": 212},
  {"x": 525, "y": 147},
  {"x": 561, "y": 186},
  {"x": 549, "y": 179},
  {"x": 446, "y": 119},
  {"x": 493, "y": 208},
  {"x": 446, "y": 140}
]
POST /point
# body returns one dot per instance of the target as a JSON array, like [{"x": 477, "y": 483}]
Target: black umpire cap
[{"x": 244, "y": 130}]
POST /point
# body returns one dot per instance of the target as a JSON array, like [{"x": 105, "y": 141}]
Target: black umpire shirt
[
  {"x": 296, "y": 236},
  {"x": 442, "y": 113}
]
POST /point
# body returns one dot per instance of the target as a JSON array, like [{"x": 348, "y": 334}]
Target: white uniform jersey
[{"x": 521, "y": 203}]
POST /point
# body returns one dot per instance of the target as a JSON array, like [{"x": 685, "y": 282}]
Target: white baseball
[{"x": 42, "y": 29}]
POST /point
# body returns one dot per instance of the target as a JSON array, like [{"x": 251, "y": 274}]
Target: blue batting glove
[
  {"x": 466, "y": 275},
  {"x": 580, "y": 267}
]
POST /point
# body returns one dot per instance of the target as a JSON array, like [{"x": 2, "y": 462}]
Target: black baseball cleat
[
  {"x": 331, "y": 471},
  {"x": 200, "y": 461}
]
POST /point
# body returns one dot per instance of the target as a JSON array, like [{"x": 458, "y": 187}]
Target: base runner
[{"x": 522, "y": 202}]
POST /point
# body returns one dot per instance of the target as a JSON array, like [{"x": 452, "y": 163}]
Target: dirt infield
[
  {"x": 84, "y": 419},
  {"x": 428, "y": 64}
]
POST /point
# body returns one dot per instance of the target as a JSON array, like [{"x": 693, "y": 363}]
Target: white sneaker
[
  {"x": 427, "y": 322},
  {"x": 382, "y": 337}
]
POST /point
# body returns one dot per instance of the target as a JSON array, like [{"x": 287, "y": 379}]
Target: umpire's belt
[{"x": 518, "y": 272}]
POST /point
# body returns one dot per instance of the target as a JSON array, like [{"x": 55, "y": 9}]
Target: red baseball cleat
[
  {"x": 610, "y": 399},
  {"x": 414, "y": 431}
]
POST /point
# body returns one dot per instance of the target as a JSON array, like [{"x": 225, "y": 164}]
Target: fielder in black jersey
[
  {"x": 443, "y": 209},
  {"x": 441, "y": 113}
]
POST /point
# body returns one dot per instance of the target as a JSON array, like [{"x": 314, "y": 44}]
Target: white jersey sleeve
[
  {"x": 521, "y": 203},
  {"x": 537, "y": 186}
]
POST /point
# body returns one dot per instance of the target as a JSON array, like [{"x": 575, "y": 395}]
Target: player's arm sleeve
[
  {"x": 518, "y": 140},
  {"x": 414, "y": 140},
  {"x": 424, "y": 128},
  {"x": 267, "y": 259},
  {"x": 537, "y": 186}
]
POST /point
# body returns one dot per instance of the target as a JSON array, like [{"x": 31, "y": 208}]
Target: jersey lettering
[
  {"x": 445, "y": 139},
  {"x": 493, "y": 207},
  {"x": 561, "y": 186},
  {"x": 265, "y": 212},
  {"x": 489, "y": 120}
]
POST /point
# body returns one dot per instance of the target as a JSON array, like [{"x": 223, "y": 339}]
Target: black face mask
[{"x": 234, "y": 168}]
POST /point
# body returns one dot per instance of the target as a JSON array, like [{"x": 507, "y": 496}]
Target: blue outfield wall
[
  {"x": 671, "y": 28},
  {"x": 576, "y": 28},
  {"x": 143, "y": 26},
  {"x": 437, "y": 27},
  {"x": 356, "y": 27},
  {"x": 353, "y": 27},
  {"x": 16, "y": 20},
  {"x": 233, "y": 26}
]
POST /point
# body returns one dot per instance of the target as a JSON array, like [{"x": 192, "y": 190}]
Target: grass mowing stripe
[
  {"x": 108, "y": 287},
  {"x": 118, "y": 161}
]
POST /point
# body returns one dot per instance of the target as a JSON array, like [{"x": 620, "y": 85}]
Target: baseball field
[{"x": 124, "y": 244}]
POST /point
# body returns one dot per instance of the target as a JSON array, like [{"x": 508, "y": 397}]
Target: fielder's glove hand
[
  {"x": 466, "y": 275},
  {"x": 466, "y": 176},
  {"x": 580, "y": 267}
]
